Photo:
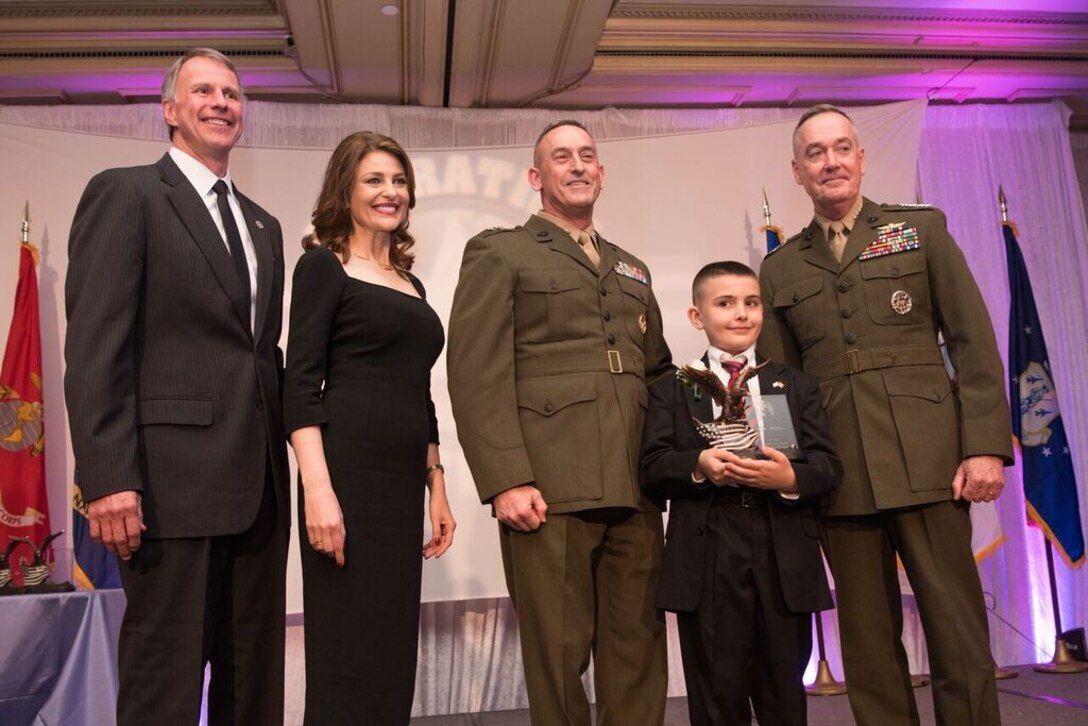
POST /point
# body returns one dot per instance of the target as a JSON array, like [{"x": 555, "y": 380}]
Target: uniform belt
[
  {"x": 856, "y": 361},
  {"x": 607, "y": 361},
  {"x": 745, "y": 498}
]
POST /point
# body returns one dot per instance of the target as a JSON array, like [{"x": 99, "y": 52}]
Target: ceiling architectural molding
[
  {"x": 65, "y": 9},
  {"x": 824, "y": 13},
  {"x": 556, "y": 53}
]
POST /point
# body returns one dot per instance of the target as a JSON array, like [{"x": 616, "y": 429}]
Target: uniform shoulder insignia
[
  {"x": 905, "y": 207},
  {"x": 495, "y": 230},
  {"x": 797, "y": 236}
]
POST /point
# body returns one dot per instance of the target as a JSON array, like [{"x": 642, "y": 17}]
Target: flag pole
[
  {"x": 1000, "y": 672},
  {"x": 825, "y": 683},
  {"x": 774, "y": 234},
  {"x": 26, "y": 224},
  {"x": 1062, "y": 662}
]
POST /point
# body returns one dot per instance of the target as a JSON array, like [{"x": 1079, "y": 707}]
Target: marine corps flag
[
  {"x": 1049, "y": 484},
  {"x": 24, "y": 507}
]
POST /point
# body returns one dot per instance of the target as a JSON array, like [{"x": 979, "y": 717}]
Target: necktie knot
[
  {"x": 733, "y": 366},
  {"x": 585, "y": 241},
  {"x": 220, "y": 187}
]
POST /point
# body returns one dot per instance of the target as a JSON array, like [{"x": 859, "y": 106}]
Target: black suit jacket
[
  {"x": 169, "y": 390},
  {"x": 670, "y": 451}
]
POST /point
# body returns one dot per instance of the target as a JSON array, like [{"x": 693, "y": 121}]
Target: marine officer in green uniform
[
  {"x": 553, "y": 337},
  {"x": 857, "y": 300}
]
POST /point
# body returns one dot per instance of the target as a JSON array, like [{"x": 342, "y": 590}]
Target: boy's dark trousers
[
  {"x": 719, "y": 570},
  {"x": 741, "y": 642}
]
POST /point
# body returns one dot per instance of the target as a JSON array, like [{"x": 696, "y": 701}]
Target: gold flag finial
[
  {"x": 26, "y": 223},
  {"x": 1004, "y": 204},
  {"x": 766, "y": 209}
]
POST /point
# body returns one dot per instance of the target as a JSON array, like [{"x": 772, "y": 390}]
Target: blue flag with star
[{"x": 1050, "y": 486}]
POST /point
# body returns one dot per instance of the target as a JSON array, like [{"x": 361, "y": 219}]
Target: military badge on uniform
[
  {"x": 890, "y": 239},
  {"x": 902, "y": 302},
  {"x": 632, "y": 272},
  {"x": 642, "y": 323}
]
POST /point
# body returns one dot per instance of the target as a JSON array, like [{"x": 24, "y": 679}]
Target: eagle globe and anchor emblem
[
  {"x": 21, "y": 427},
  {"x": 1038, "y": 404},
  {"x": 20, "y": 421}
]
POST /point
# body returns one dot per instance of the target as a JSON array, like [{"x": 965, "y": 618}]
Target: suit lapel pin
[
  {"x": 778, "y": 384},
  {"x": 258, "y": 223}
]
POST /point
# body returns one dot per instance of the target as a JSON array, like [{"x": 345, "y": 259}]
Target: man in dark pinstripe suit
[{"x": 174, "y": 300}]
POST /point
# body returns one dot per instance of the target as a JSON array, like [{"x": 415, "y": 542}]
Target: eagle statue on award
[{"x": 732, "y": 430}]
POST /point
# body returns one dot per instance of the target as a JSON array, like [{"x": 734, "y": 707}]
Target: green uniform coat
[
  {"x": 901, "y": 426},
  {"x": 548, "y": 364}
]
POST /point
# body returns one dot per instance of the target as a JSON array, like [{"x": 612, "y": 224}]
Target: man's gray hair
[
  {"x": 552, "y": 127},
  {"x": 170, "y": 80},
  {"x": 819, "y": 109}
]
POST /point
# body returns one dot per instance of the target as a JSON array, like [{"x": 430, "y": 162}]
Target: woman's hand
[
  {"x": 324, "y": 520},
  {"x": 442, "y": 522}
]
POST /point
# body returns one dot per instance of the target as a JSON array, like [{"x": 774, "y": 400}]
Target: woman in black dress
[{"x": 357, "y": 404}]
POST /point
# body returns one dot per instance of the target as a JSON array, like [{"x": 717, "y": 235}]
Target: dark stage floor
[{"x": 1032, "y": 699}]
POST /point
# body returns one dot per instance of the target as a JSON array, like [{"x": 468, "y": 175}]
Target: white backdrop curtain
[
  {"x": 966, "y": 153},
  {"x": 469, "y": 659},
  {"x": 1079, "y": 142}
]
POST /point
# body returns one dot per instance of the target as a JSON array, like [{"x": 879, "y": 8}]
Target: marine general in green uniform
[
  {"x": 857, "y": 299},
  {"x": 553, "y": 336}
]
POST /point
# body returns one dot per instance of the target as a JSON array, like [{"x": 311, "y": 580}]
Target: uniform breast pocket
[
  {"x": 635, "y": 304},
  {"x": 548, "y": 305},
  {"x": 799, "y": 304},
  {"x": 896, "y": 288}
]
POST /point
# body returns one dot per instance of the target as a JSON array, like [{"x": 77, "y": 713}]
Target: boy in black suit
[{"x": 742, "y": 566}]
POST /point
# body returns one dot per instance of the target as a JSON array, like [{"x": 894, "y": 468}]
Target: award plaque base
[{"x": 46, "y": 588}]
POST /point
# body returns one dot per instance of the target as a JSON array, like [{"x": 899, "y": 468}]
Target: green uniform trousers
[
  {"x": 934, "y": 543},
  {"x": 584, "y": 583}
]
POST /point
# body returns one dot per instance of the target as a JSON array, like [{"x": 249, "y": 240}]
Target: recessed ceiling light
[{"x": 390, "y": 9}]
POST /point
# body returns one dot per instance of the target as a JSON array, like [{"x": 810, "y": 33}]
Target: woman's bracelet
[{"x": 433, "y": 468}]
